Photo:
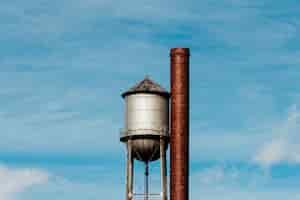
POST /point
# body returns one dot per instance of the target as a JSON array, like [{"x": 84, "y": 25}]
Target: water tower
[{"x": 146, "y": 132}]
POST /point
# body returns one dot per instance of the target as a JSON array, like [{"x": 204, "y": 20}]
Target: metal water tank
[{"x": 146, "y": 119}]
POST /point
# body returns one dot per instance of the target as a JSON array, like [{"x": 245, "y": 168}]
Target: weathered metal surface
[
  {"x": 146, "y": 149},
  {"x": 146, "y": 112},
  {"x": 146, "y": 119},
  {"x": 179, "y": 145},
  {"x": 146, "y": 131}
]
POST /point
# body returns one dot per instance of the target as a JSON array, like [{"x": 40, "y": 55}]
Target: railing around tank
[{"x": 127, "y": 132}]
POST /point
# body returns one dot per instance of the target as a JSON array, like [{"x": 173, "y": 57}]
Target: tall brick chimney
[{"x": 179, "y": 145}]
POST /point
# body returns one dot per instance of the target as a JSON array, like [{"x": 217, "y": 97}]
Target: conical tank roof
[{"x": 147, "y": 86}]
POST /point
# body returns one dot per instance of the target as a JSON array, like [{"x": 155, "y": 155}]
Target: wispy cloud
[
  {"x": 238, "y": 182},
  {"x": 80, "y": 182},
  {"x": 284, "y": 147},
  {"x": 217, "y": 175},
  {"x": 15, "y": 180}
]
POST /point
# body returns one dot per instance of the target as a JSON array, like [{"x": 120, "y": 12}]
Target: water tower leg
[
  {"x": 163, "y": 169},
  {"x": 129, "y": 174}
]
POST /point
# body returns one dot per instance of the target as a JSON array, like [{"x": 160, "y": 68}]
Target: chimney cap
[{"x": 180, "y": 50}]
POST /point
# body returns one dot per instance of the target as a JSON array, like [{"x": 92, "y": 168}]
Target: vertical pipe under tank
[
  {"x": 146, "y": 181},
  {"x": 179, "y": 146}
]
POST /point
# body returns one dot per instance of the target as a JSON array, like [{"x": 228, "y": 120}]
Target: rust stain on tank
[{"x": 179, "y": 144}]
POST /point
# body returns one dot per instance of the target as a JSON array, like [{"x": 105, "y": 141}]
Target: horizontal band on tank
[{"x": 143, "y": 131}]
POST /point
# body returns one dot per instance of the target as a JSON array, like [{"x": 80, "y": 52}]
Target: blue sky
[{"x": 63, "y": 65}]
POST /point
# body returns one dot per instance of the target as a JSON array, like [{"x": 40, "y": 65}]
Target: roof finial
[{"x": 147, "y": 76}]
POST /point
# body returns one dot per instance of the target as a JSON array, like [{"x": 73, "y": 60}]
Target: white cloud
[
  {"x": 237, "y": 182},
  {"x": 13, "y": 181},
  {"x": 285, "y": 146},
  {"x": 216, "y": 175},
  {"x": 222, "y": 175},
  {"x": 79, "y": 182}
]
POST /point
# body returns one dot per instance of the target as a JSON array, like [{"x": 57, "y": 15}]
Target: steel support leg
[
  {"x": 130, "y": 170},
  {"x": 163, "y": 169}
]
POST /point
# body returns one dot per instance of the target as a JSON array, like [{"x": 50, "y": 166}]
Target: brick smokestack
[{"x": 179, "y": 145}]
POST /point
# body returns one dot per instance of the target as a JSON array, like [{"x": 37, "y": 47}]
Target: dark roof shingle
[{"x": 147, "y": 86}]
